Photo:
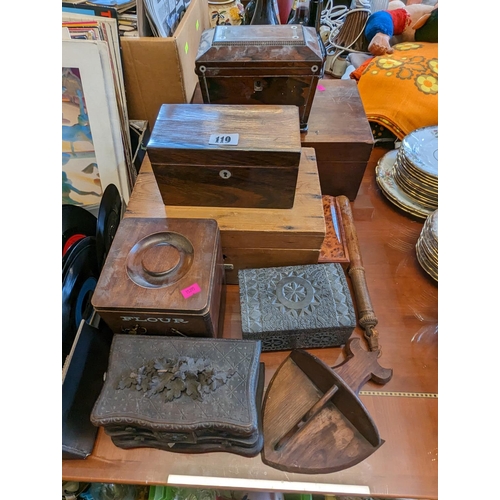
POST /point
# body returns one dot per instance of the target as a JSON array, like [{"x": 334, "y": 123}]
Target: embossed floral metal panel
[{"x": 296, "y": 306}]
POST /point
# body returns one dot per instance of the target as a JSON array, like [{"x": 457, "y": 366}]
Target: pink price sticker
[
  {"x": 191, "y": 290},
  {"x": 320, "y": 88}
]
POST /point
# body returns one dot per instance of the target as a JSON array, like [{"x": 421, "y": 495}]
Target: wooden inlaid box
[
  {"x": 226, "y": 156},
  {"x": 259, "y": 64},
  {"x": 163, "y": 276},
  {"x": 251, "y": 237},
  {"x": 341, "y": 135}
]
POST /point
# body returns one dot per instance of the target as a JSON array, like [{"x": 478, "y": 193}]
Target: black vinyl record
[
  {"x": 79, "y": 280},
  {"x": 77, "y": 222},
  {"x": 107, "y": 222}
]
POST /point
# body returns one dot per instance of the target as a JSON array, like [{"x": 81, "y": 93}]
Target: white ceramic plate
[
  {"x": 421, "y": 149},
  {"x": 385, "y": 180}
]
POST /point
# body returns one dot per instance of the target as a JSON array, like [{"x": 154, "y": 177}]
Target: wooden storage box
[
  {"x": 260, "y": 65},
  {"x": 251, "y": 237},
  {"x": 192, "y": 168},
  {"x": 162, "y": 276},
  {"x": 213, "y": 406},
  {"x": 296, "y": 307},
  {"x": 341, "y": 135}
]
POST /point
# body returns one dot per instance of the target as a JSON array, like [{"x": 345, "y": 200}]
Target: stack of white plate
[
  {"x": 408, "y": 177},
  {"x": 427, "y": 246}
]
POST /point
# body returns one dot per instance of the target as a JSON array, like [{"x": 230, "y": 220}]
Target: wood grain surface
[
  {"x": 341, "y": 136},
  {"x": 300, "y": 227},
  {"x": 276, "y": 65},
  {"x": 406, "y": 301},
  {"x": 268, "y": 136},
  {"x": 140, "y": 288}
]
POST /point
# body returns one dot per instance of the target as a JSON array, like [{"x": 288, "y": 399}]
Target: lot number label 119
[{"x": 224, "y": 139}]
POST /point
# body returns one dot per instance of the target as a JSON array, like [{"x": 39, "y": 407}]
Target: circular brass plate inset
[
  {"x": 295, "y": 292},
  {"x": 160, "y": 259}
]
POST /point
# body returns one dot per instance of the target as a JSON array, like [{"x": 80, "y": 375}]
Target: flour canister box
[
  {"x": 261, "y": 64},
  {"x": 163, "y": 276},
  {"x": 226, "y": 156}
]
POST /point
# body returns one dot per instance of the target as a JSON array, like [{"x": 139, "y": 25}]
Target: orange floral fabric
[{"x": 400, "y": 90}]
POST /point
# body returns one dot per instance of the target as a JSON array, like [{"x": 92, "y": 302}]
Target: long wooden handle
[{"x": 366, "y": 316}]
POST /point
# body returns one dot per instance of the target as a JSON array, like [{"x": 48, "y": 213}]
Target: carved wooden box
[
  {"x": 182, "y": 395},
  {"x": 261, "y": 64},
  {"x": 163, "y": 276},
  {"x": 296, "y": 306},
  {"x": 195, "y": 166}
]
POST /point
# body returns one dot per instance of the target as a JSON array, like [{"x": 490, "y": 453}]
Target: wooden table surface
[{"x": 405, "y": 410}]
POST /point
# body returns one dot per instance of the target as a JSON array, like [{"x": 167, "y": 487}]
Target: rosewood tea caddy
[
  {"x": 226, "y": 156},
  {"x": 261, "y": 64}
]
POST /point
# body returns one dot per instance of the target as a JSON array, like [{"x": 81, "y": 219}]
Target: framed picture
[{"x": 93, "y": 154}]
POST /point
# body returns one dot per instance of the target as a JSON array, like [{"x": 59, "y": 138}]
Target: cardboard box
[{"x": 161, "y": 70}]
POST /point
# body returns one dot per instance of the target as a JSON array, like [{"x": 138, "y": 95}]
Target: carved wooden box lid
[
  {"x": 151, "y": 262},
  {"x": 186, "y": 134},
  {"x": 182, "y": 385},
  {"x": 283, "y": 49},
  {"x": 296, "y": 306}
]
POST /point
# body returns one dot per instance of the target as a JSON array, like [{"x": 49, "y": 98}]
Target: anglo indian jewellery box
[
  {"x": 163, "y": 276},
  {"x": 183, "y": 395},
  {"x": 261, "y": 64},
  {"x": 226, "y": 156},
  {"x": 296, "y": 306}
]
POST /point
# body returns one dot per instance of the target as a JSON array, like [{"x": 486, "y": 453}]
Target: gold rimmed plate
[
  {"x": 428, "y": 180},
  {"x": 421, "y": 149},
  {"x": 422, "y": 260},
  {"x": 385, "y": 180},
  {"x": 420, "y": 196},
  {"x": 430, "y": 191}
]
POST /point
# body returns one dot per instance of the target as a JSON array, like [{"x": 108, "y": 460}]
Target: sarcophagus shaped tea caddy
[{"x": 261, "y": 64}]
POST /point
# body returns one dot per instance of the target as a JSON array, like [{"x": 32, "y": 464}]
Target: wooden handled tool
[{"x": 366, "y": 316}]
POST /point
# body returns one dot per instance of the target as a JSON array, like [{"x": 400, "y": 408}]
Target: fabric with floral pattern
[{"x": 399, "y": 91}]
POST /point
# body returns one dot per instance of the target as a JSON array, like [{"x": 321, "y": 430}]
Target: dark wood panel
[
  {"x": 341, "y": 136},
  {"x": 228, "y": 186},
  {"x": 268, "y": 136},
  {"x": 247, "y": 258}
]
